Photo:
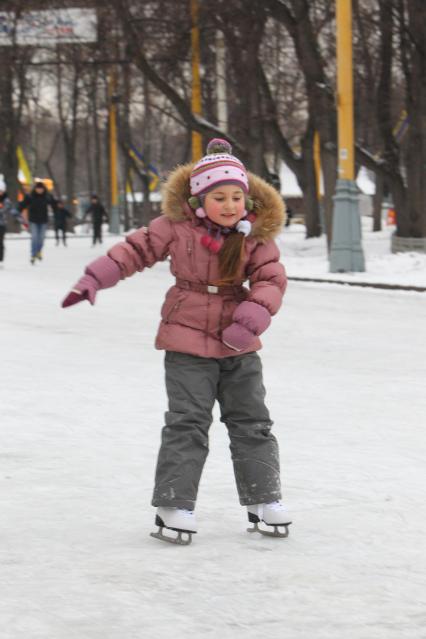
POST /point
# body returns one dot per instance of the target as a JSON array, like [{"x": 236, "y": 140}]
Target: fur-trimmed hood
[{"x": 268, "y": 204}]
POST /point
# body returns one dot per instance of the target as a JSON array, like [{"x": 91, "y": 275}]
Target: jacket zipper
[{"x": 190, "y": 254}]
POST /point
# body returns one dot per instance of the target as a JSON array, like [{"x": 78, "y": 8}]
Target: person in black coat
[
  {"x": 97, "y": 211},
  {"x": 37, "y": 205},
  {"x": 60, "y": 215},
  {"x": 6, "y": 210}
]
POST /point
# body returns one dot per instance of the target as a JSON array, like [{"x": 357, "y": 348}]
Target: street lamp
[{"x": 346, "y": 252}]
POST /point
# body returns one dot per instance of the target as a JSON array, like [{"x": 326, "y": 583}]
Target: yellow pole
[
  {"x": 346, "y": 254},
  {"x": 345, "y": 89},
  {"x": 113, "y": 139},
  {"x": 197, "y": 142}
]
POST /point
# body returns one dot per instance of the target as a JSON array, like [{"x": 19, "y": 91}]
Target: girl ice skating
[{"x": 217, "y": 228}]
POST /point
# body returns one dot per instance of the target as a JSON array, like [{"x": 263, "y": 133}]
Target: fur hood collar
[{"x": 268, "y": 204}]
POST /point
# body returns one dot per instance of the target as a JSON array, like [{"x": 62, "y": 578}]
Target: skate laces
[
  {"x": 185, "y": 512},
  {"x": 276, "y": 505}
]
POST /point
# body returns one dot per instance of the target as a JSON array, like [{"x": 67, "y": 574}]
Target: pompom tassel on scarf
[{"x": 213, "y": 244}]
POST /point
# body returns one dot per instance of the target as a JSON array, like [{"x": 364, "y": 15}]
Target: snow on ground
[
  {"x": 82, "y": 401},
  {"x": 308, "y": 258}
]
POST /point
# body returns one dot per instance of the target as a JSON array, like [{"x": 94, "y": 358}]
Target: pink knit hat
[{"x": 219, "y": 166}]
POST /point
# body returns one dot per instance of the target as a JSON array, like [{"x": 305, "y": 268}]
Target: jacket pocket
[
  {"x": 171, "y": 312},
  {"x": 171, "y": 304}
]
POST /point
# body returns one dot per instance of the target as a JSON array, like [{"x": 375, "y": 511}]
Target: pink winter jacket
[{"x": 192, "y": 321}]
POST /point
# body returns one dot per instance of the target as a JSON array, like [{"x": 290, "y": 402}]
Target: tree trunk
[
  {"x": 88, "y": 153},
  {"x": 310, "y": 193},
  {"x": 377, "y": 203},
  {"x": 321, "y": 106},
  {"x": 255, "y": 137},
  {"x": 123, "y": 126},
  {"x": 69, "y": 124},
  {"x": 147, "y": 207},
  {"x": 384, "y": 118},
  {"x": 9, "y": 123},
  {"x": 416, "y": 109},
  {"x": 99, "y": 183},
  {"x": 303, "y": 167},
  {"x": 70, "y": 173}
]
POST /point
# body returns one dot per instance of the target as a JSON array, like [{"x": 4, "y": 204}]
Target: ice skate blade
[
  {"x": 269, "y": 533},
  {"x": 178, "y": 541}
]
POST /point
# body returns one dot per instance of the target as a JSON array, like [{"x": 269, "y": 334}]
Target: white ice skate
[
  {"x": 178, "y": 519},
  {"x": 274, "y": 514}
]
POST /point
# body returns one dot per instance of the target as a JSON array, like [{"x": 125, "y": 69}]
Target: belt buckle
[{"x": 212, "y": 289}]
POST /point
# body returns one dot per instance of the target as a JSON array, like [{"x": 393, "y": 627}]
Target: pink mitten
[
  {"x": 85, "y": 289},
  {"x": 250, "y": 320},
  {"x": 102, "y": 273},
  {"x": 237, "y": 337}
]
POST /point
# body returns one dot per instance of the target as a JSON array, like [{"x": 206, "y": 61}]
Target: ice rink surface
[{"x": 82, "y": 403}]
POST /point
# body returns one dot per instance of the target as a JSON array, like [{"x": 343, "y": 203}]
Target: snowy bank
[{"x": 308, "y": 258}]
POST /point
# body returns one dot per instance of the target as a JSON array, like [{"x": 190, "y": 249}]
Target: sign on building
[{"x": 44, "y": 28}]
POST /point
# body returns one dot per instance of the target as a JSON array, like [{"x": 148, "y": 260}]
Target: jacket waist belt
[{"x": 209, "y": 288}]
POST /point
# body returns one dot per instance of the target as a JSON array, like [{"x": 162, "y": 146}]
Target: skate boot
[
  {"x": 178, "y": 519},
  {"x": 39, "y": 255},
  {"x": 273, "y": 514}
]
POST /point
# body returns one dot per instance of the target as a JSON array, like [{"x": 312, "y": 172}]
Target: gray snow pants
[{"x": 193, "y": 384}]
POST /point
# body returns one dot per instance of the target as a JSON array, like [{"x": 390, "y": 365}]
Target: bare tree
[
  {"x": 402, "y": 33},
  {"x": 280, "y": 68},
  {"x": 295, "y": 15},
  {"x": 13, "y": 85},
  {"x": 68, "y": 107},
  {"x": 412, "y": 26}
]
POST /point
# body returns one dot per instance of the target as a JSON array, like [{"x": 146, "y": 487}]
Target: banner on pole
[
  {"x": 44, "y": 28},
  {"x": 151, "y": 171},
  {"x": 24, "y": 169}
]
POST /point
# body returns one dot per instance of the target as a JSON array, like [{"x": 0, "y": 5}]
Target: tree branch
[{"x": 192, "y": 121}]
